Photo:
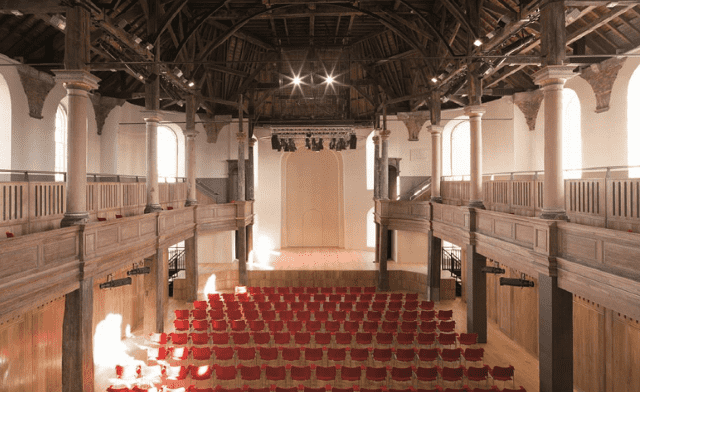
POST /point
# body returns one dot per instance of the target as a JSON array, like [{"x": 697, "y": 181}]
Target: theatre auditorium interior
[{"x": 329, "y": 196}]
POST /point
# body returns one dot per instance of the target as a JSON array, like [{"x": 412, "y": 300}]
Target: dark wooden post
[{"x": 78, "y": 368}]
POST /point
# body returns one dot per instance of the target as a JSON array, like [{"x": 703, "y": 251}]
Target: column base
[
  {"x": 437, "y": 199},
  {"x": 191, "y": 202},
  {"x": 383, "y": 283},
  {"x": 477, "y": 204},
  {"x": 70, "y": 219},
  {"x": 152, "y": 208},
  {"x": 554, "y": 215}
]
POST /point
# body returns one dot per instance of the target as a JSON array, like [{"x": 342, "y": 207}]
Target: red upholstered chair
[
  {"x": 369, "y": 289},
  {"x": 216, "y": 314},
  {"x": 344, "y": 290},
  {"x": 283, "y": 289},
  {"x": 382, "y": 357},
  {"x": 427, "y": 315},
  {"x": 181, "y": 325},
  {"x": 384, "y": 340},
  {"x": 286, "y": 315},
  {"x": 356, "y": 315},
  {"x": 503, "y": 374},
  {"x": 339, "y": 315},
  {"x": 250, "y": 375},
  {"x": 281, "y": 339},
  {"x": 358, "y": 356},
  {"x": 362, "y": 306},
  {"x": 313, "y": 306},
  {"x": 300, "y": 375},
  {"x": 350, "y": 376},
  {"x": 201, "y": 353},
  {"x": 427, "y": 357},
  {"x": 326, "y": 290},
  {"x": 268, "y": 355},
  {"x": 225, "y": 375},
  {"x": 401, "y": 377},
  {"x": 276, "y": 374},
  {"x": 294, "y": 326},
  {"x": 332, "y": 326},
  {"x": 381, "y": 297},
  {"x": 313, "y": 356},
  {"x": 219, "y": 325},
  {"x": 325, "y": 374},
  {"x": 240, "y": 338},
  {"x": 370, "y": 326},
  {"x": 351, "y": 326},
  {"x": 224, "y": 354},
  {"x": 213, "y": 296},
  {"x": 445, "y": 314},
  {"x": 389, "y": 326},
  {"x": 366, "y": 298},
  {"x": 276, "y": 326},
  {"x": 302, "y": 315},
  {"x": 261, "y": 338},
  {"x": 334, "y": 298},
  {"x": 394, "y": 305},
  {"x": 269, "y": 315},
  {"x": 447, "y": 340},
  {"x": 297, "y": 290},
  {"x": 216, "y": 304},
  {"x": 304, "y": 297},
  {"x": 410, "y": 306},
  {"x": 178, "y": 339},
  {"x": 296, "y": 306},
  {"x": 409, "y": 326},
  {"x": 396, "y": 296},
  {"x": 236, "y": 314},
  {"x": 363, "y": 340},
  {"x": 411, "y": 297},
  {"x": 281, "y": 305},
  {"x": 336, "y": 356},
  {"x": 447, "y": 326},
  {"x": 251, "y": 315},
  {"x": 451, "y": 357},
  {"x": 343, "y": 339},
  {"x": 220, "y": 338},
  {"x": 373, "y": 315},
  {"x": 469, "y": 340},
  {"x": 477, "y": 375},
  {"x": 319, "y": 297},
  {"x": 472, "y": 355},
  {"x": 256, "y": 325},
  {"x": 246, "y": 356},
  {"x": 391, "y": 315},
  {"x": 427, "y": 340},
  {"x": 268, "y": 290},
  {"x": 426, "y": 377},
  {"x": 322, "y": 338},
  {"x": 320, "y": 316},
  {"x": 232, "y": 305},
  {"x": 201, "y": 305},
  {"x": 200, "y": 338},
  {"x": 405, "y": 357},
  {"x": 263, "y": 306},
  {"x": 378, "y": 306},
  {"x": 426, "y": 305},
  {"x": 375, "y": 377},
  {"x": 302, "y": 338},
  {"x": 201, "y": 374},
  {"x": 428, "y": 326},
  {"x": 451, "y": 377},
  {"x": 291, "y": 356},
  {"x": 313, "y": 326},
  {"x": 200, "y": 325},
  {"x": 182, "y": 314}
]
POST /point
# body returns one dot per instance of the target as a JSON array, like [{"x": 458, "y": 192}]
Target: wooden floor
[{"x": 499, "y": 351}]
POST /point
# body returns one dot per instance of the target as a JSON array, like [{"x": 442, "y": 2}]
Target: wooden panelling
[
  {"x": 625, "y": 374},
  {"x": 31, "y": 350},
  {"x": 588, "y": 345},
  {"x": 126, "y": 301},
  {"x": 524, "y": 313}
]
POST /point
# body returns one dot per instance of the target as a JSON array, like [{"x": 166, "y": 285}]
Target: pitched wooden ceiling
[{"x": 377, "y": 52}]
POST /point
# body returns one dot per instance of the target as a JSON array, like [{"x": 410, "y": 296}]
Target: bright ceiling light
[
  {"x": 191, "y": 84},
  {"x": 296, "y": 80},
  {"x": 477, "y": 42},
  {"x": 329, "y": 80},
  {"x": 434, "y": 79}
]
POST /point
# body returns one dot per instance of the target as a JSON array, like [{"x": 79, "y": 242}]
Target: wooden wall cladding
[
  {"x": 125, "y": 300},
  {"x": 31, "y": 350}
]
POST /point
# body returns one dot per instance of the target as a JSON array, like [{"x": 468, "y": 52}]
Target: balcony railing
[{"x": 599, "y": 200}]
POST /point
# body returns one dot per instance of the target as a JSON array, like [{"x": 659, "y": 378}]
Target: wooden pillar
[
  {"x": 78, "y": 368},
  {"x": 242, "y": 141},
  {"x": 190, "y": 134},
  {"x": 555, "y": 336},
  {"x": 378, "y": 242},
  {"x": 242, "y": 254},
  {"x": 383, "y": 282},
  {"x": 150, "y": 323},
  {"x": 474, "y": 285},
  {"x": 436, "y": 162},
  {"x": 161, "y": 288},
  {"x": 433, "y": 277},
  {"x": 191, "y": 266},
  {"x": 78, "y": 82},
  {"x": 377, "y": 165},
  {"x": 385, "y": 135},
  {"x": 476, "y": 197}
]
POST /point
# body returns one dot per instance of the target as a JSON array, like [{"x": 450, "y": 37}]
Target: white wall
[
  {"x": 411, "y": 247},
  {"x": 216, "y": 248}
]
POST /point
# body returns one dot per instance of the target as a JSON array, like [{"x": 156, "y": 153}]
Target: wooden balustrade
[
  {"x": 29, "y": 207},
  {"x": 599, "y": 202}
]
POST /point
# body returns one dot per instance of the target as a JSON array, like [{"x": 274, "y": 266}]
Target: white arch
[
  {"x": 572, "y": 141},
  {"x": 5, "y": 125},
  {"x": 456, "y": 151},
  {"x": 61, "y": 140},
  {"x": 634, "y": 123},
  {"x": 370, "y": 228},
  {"x": 370, "y": 163}
]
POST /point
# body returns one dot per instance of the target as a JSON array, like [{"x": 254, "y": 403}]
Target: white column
[
  {"x": 152, "y": 199},
  {"x": 475, "y": 113},
  {"x": 377, "y": 164},
  {"x": 385, "y": 134},
  {"x": 242, "y": 138},
  {"x": 190, "y": 135},
  {"x": 436, "y": 162},
  {"x": 77, "y": 83},
  {"x": 551, "y": 79}
]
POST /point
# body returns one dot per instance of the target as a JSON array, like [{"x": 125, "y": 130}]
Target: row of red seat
[
  {"x": 316, "y": 326},
  {"x": 341, "y": 289},
  {"x": 338, "y": 315},
  {"x": 314, "y": 306},
  {"x": 420, "y": 339},
  {"x": 308, "y": 356},
  {"x": 337, "y": 297}
]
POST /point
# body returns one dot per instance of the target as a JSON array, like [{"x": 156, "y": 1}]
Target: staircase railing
[
  {"x": 417, "y": 190},
  {"x": 207, "y": 190},
  {"x": 451, "y": 261},
  {"x": 176, "y": 262}
]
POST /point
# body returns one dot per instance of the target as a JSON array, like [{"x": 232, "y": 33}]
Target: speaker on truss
[
  {"x": 275, "y": 143},
  {"x": 352, "y": 141}
]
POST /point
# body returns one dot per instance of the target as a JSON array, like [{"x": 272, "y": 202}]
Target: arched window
[
  {"x": 370, "y": 164},
  {"x": 370, "y": 229},
  {"x": 167, "y": 155},
  {"x": 61, "y": 142},
  {"x": 457, "y": 149},
  {"x": 634, "y": 123},
  {"x": 5, "y": 126},
  {"x": 572, "y": 146}
]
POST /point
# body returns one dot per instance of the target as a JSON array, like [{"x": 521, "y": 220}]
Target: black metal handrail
[
  {"x": 451, "y": 261},
  {"x": 176, "y": 262}
]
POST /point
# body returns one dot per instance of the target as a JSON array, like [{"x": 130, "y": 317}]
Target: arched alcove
[
  {"x": 456, "y": 147},
  {"x": 61, "y": 140},
  {"x": 572, "y": 142},
  {"x": 312, "y": 202},
  {"x": 634, "y": 123},
  {"x": 5, "y": 125}
]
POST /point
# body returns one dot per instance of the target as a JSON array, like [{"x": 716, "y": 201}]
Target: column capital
[
  {"x": 190, "y": 133},
  {"x": 77, "y": 79},
  {"x": 433, "y": 129},
  {"x": 241, "y": 137},
  {"x": 376, "y": 139},
  {"x": 474, "y": 110},
  {"x": 553, "y": 75},
  {"x": 385, "y": 134},
  {"x": 151, "y": 116}
]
